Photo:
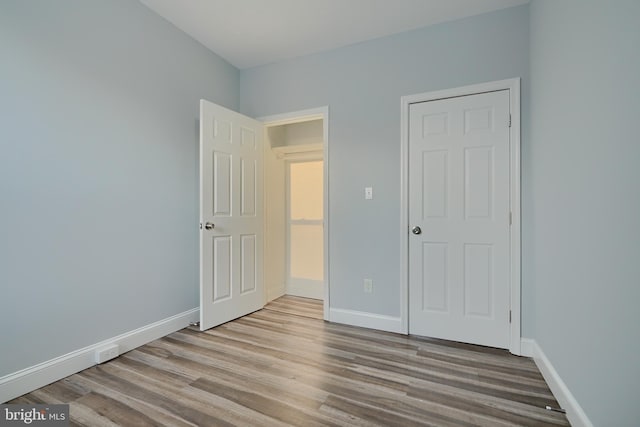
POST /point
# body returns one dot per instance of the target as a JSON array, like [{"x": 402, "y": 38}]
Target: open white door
[{"x": 231, "y": 215}]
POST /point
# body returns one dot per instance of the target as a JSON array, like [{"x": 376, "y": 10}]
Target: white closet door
[{"x": 459, "y": 206}]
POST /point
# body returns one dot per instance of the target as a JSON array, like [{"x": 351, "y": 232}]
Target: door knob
[
  {"x": 209, "y": 226},
  {"x": 416, "y": 230}
]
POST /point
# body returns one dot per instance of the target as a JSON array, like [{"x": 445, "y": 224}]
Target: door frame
[
  {"x": 513, "y": 85},
  {"x": 304, "y": 116}
]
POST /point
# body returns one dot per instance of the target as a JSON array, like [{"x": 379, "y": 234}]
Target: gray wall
[
  {"x": 585, "y": 162},
  {"x": 98, "y": 172},
  {"x": 362, "y": 84}
]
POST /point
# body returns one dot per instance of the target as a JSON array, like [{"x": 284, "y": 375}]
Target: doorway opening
[
  {"x": 304, "y": 239},
  {"x": 296, "y": 206}
]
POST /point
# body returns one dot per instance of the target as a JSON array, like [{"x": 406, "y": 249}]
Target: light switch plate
[{"x": 368, "y": 193}]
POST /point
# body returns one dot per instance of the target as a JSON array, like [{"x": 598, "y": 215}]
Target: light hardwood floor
[{"x": 284, "y": 365}]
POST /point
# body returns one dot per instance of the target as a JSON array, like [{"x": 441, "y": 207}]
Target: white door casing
[
  {"x": 459, "y": 195},
  {"x": 231, "y": 215}
]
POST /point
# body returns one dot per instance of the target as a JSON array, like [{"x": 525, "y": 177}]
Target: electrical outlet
[
  {"x": 368, "y": 286},
  {"x": 107, "y": 353}
]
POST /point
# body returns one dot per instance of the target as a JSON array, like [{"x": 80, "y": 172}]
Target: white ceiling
[{"x": 248, "y": 33}]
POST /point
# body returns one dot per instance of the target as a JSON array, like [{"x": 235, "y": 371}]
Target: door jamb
[
  {"x": 513, "y": 85},
  {"x": 303, "y": 116}
]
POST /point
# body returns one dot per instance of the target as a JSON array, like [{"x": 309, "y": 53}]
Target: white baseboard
[
  {"x": 366, "y": 320},
  {"x": 575, "y": 413},
  {"x": 29, "y": 379},
  {"x": 308, "y": 290},
  {"x": 526, "y": 347},
  {"x": 274, "y": 292}
]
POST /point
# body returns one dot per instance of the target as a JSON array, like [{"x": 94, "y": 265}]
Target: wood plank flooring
[
  {"x": 284, "y": 365},
  {"x": 304, "y": 307}
]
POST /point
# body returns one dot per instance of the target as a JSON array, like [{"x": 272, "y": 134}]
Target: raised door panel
[
  {"x": 478, "y": 183},
  {"x": 435, "y": 184},
  {"x": 248, "y": 187},
  {"x": 478, "y": 280},
  {"x": 435, "y": 286},
  {"x": 221, "y": 184},
  {"x": 222, "y": 262},
  {"x": 248, "y": 267}
]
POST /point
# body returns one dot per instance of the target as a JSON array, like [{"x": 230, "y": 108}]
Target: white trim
[
  {"x": 34, "y": 377},
  {"x": 320, "y": 113},
  {"x": 526, "y": 347},
  {"x": 513, "y": 85},
  {"x": 404, "y": 215},
  {"x": 275, "y": 292},
  {"x": 516, "y": 303},
  {"x": 299, "y": 152},
  {"x": 575, "y": 414},
  {"x": 304, "y": 116},
  {"x": 325, "y": 214},
  {"x": 305, "y": 288},
  {"x": 366, "y": 320}
]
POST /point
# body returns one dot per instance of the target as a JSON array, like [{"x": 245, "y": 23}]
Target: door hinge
[
  {"x": 510, "y": 219},
  {"x": 509, "y": 120},
  {"x": 509, "y": 316}
]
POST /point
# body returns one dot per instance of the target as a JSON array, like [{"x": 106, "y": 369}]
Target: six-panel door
[
  {"x": 231, "y": 200},
  {"x": 459, "y": 197}
]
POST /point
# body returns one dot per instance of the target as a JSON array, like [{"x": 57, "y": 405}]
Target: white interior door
[
  {"x": 231, "y": 215},
  {"x": 459, "y": 217},
  {"x": 305, "y": 229}
]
